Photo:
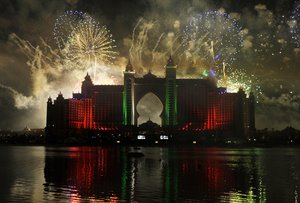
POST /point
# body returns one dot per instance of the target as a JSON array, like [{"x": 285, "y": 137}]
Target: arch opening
[{"x": 149, "y": 107}]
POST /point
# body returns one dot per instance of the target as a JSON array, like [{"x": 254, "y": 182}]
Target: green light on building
[{"x": 124, "y": 107}]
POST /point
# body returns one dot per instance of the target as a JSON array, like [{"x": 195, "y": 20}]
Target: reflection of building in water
[
  {"x": 192, "y": 178},
  {"x": 211, "y": 175},
  {"x": 188, "y": 105},
  {"x": 89, "y": 172},
  {"x": 168, "y": 174}
]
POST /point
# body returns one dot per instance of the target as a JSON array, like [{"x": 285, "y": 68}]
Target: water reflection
[
  {"x": 171, "y": 174},
  {"x": 21, "y": 173},
  {"x": 84, "y": 172}
]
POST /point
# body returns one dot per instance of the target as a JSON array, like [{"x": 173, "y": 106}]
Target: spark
[
  {"x": 294, "y": 25},
  {"x": 212, "y": 41},
  {"x": 209, "y": 33},
  {"x": 150, "y": 47},
  {"x": 65, "y": 24},
  {"x": 83, "y": 41}
]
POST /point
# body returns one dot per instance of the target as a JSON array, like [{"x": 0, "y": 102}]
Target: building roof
[{"x": 149, "y": 75}]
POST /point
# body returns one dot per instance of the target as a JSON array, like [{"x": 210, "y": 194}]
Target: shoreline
[{"x": 242, "y": 146}]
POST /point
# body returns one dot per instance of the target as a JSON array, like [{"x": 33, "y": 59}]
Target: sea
[{"x": 149, "y": 174}]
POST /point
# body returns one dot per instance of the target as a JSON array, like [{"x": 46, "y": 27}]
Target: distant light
[
  {"x": 194, "y": 142},
  {"x": 164, "y": 137},
  {"x": 141, "y": 137},
  {"x": 118, "y": 141},
  {"x": 156, "y": 142}
]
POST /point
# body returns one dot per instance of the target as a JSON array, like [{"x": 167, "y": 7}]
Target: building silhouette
[{"x": 190, "y": 105}]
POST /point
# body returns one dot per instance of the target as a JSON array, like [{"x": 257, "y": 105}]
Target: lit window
[
  {"x": 141, "y": 137},
  {"x": 164, "y": 137}
]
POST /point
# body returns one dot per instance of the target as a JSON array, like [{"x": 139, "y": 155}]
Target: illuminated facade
[
  {"x": 190, "y": 105},
  {"x": 97, "y": 107}
]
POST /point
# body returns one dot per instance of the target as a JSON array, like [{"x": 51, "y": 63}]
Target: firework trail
[
  {"x": 134, "y": 49},
  {"x": 39, "y": 57},
  {"x": 156, "y": 45},
  {"x": 151, "y": 46},
  {"x": 224, "y": 74},
  {"x": 139, "y": 42}
]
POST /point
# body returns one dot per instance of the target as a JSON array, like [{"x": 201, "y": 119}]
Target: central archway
[{"x": 149, "y": 107}]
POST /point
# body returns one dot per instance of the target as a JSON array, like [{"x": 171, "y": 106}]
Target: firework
[
  {"x": 89, "y": 44},
  {"x": 65, "y": 24},
  {"x": 151, "y": 45},
  {"x": 294, "y": 25},
  {"x": 139, "y": 42},
  {"x": 239, "y": 79},
  {"x": 212, "y": 38}
]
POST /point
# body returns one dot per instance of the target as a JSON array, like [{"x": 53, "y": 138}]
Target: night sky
[{"x": 267, "y": 60}]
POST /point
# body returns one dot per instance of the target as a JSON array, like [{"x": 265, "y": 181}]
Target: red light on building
[
  {"x": 87, "y": 113},
  {"x": 73, "y": 113},
  {"x": 97, "y": 107}
]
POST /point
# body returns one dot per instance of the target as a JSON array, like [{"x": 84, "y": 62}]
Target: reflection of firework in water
[
  {"x": 212, "y": 38},
  {"x": 294, "y": 24}
]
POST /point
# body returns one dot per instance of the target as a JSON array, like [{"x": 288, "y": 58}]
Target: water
[{"x": 174, "y": 174}]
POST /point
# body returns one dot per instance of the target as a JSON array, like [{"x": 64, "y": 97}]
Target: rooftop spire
[
  {"x": 49, "y": 100},
  {"x": 170, "y": 61},
  {"x": 129, "y": 67},
  {"x": 87, "y": 77}
]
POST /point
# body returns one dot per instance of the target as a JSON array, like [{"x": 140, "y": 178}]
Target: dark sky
[{"x": 270, "y": 55}]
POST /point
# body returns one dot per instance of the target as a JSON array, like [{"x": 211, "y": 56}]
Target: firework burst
[
  {"x": 240, "y": 79},
  {"x": 294, "y": 25},
  {"x": 89, "y": 44},
  {"x": 65, "y": 24},
  {"x": 212, "y": 38}
]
